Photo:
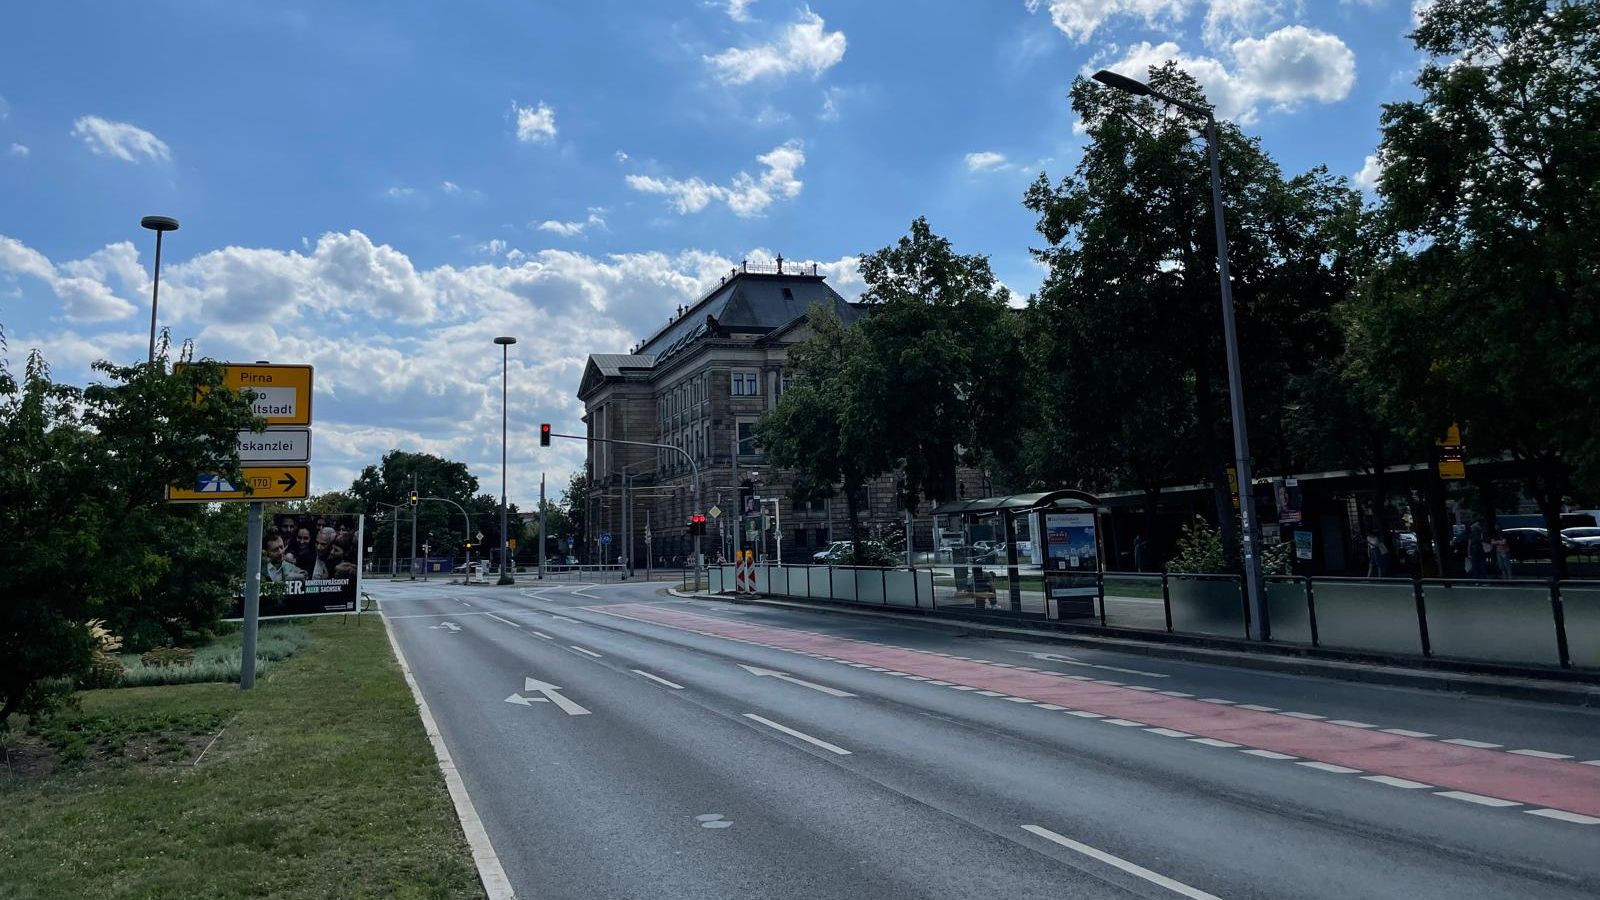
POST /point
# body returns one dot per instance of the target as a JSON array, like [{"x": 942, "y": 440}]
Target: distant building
[{"x": 700, "y": 383}]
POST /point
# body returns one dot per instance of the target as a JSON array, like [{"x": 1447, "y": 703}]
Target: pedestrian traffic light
[{"x": 544, "y": 435}]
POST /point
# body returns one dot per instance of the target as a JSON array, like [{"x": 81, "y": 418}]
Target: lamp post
[
  {"x": 1259, "y": 627},
  {"x": 160, "y": 225},
  {"x": 505, "y": 361}
]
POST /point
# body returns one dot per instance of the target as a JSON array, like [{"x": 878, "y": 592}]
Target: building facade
[{"x": 700, "y": 384}]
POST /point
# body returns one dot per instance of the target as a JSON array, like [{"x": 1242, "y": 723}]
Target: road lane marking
[
  {"x": 1541, "y": 754},
  {"x": 1179, "y": 694},
  {"x": 784, "y": 676},
  {"x": 1213, "y": 742},
  {"x": 1310, "y": 717},
  {"x": 1084, "y": 714},
  {"x": 507, "y": 621},
  {"x": 1129, "y": 723},
  {"x": 832, "y": 748},
  {"x": 1405, "y": 732},
  {"x": 1258, "y": 708},
  {"x": 1217, "y": 700},
  {"x": 1021, "y": 700},
  {"x": 540, "y": 634},
  {"x": 1134, "y": 869},
  {"x": 1269, "y": 754},
  {"x": 1052, "y": 707},
  {"x": 585, "y": 652},
  {"x": 1479, "y": 745},
  {"x": 565, "y": 619},
  {"x": 990, "y": 694},
  {"x": 434, "y": 615},
  {"x": 1328, "y": 767},
  {"x": 1392, "y": 781},
  {"x": 1074, "y": 661},
  {"x": 554, "y": 695},
  {"x": 1350, "y": 724},
  {"x": 1169, "y": 732},
  {"x": 658, "y": 679},
  {"x": 1564, "y": 816},
  {"x": 1479, "y": 799}
]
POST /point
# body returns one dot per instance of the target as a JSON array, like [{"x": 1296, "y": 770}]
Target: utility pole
[
  {"x": 413, "y": 566},
  {"x": 541, "y": 526}
]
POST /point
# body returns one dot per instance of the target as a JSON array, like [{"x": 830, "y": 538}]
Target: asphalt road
[{"x": 617, "y": 744}]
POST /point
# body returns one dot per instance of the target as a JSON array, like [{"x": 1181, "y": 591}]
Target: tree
[
  {"x": 390, "y": 482},
  {"x": 575, "y": 506},
  {"x": 84, "y": 529},
  {"x": 1484, "y": 313}
]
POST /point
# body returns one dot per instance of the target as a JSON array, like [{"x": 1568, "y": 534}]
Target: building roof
[
  {"x": 612, "y": 364},
  {"x": 750, "y": 300}
]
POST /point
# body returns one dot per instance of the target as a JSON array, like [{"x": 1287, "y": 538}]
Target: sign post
[{"x": 252, "y": 599}]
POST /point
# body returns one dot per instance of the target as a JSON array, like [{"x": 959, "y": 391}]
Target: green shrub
[{"x": 166, "y": 656}]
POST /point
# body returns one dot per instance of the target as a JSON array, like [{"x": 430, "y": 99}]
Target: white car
[
  {"x": 834, "y": 551},
  {"x": 1588, "y": 537}
]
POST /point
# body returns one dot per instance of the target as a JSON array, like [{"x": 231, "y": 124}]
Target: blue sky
[{"x": 379, "y": 193}]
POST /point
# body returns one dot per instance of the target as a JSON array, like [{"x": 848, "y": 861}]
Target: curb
[
  {"x": 1503, "y": 687},
  {"x": 496, "y": 886}
]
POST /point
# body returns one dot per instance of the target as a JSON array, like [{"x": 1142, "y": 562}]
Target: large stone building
[{"x": 700, "y": 384}]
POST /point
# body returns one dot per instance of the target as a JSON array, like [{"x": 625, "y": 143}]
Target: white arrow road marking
[
  {"x": 1138, "y": 871},
  {"x": 535, "y": 686},
  {"x": 658, "y": 679},
  {"x": 781, "y": 676},
  {"x": 450, "y": 625},
  {"x": 525, "y": 701},
  {"x": 832, "y": 748},
  {"x": 1073, "y": 661}
]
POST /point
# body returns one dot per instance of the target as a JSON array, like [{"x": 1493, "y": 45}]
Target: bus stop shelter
[{"x": 1060, "y": 527}]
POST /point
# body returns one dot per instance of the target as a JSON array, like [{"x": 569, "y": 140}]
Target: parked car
[
  {"x": 1587, "y": 537},
  {"x": 1534, "y": 543},
  {"x": 831, "y": 553}
]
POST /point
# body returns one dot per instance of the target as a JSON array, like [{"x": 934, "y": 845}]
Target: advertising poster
[
  {"x": 1302, "y": 544},
  {"x": 1070, "y": 541},
  {"x": 1288, "y": 497},
  {"x": 310, "y": 564}
]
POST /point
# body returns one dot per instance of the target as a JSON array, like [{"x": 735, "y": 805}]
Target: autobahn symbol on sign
[{"x": 258, "y": 483}]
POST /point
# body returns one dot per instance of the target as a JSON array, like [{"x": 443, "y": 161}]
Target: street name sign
[
  {"x": 258, "y": 483},
  {"x": 275, "y": 445}
]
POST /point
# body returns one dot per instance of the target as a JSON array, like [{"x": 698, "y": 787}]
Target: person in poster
[{"x": 314, "y": 574}]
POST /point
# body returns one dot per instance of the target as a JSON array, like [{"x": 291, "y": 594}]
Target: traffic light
[
  {"x": 412, "y": 498},
  {"x": 544, "y": 434},
  {"x": 697, "y": 525}
]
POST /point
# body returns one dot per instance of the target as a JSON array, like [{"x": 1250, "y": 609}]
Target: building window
[
  {"x": 746, "y": 384},
  {"x": 785, "y": 383},
  {"x": 799, "y": 537},
  {"x": 747, "y": 438}
]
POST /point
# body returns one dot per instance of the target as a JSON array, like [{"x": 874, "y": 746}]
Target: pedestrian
[
  {"x": 1379, "y": 559},
  {"x": 1477, "y": 551},
  {"x": 1141, "y": 554},
  {"x": 1502, "y": 554}
]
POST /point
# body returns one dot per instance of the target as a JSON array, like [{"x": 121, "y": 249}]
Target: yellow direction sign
[
  {"x": 259, "y": 483},
  {"x": 283, "y": 393}
]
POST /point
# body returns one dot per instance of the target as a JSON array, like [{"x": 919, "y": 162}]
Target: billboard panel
[{"x": 310, "y": 564}]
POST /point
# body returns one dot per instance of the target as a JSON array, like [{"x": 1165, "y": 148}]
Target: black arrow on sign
[{"x": 287, "y": 482}]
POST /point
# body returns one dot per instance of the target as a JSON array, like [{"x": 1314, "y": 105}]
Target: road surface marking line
[
  {"x": 1052, "y": 707},
  {"x": 1392, "y": 781},
  {"x": 1476, "y": 798},
  {"x": 1258, "y": 707},
  {"x": 434, "y": 615},
  {"x": 1480, "y": 745},
  {"x": 1300, "y": 715},
  {"x": 1541, "y": 754},
  {"x": 540, "y": 634},
  {"x": 1022, "y": 700},
  {"x": 1269, "y": 754},
  {"x": 1134, "y": 869},
  {"x": 584, "y": 652},
  {"x": 1405, "y": 732},
  {"x": 1084, "y": 714},
  {"x": 565, "y": 619},
  {"x": 1213, "y": 742},
  {"x": 1140, "y": 687},
  {"x": 1329, "y": 767},
  {"x": 493, "y": 875},
  {"x": 991, "y": 694},
  {"x": 1129, "y": 723},
  {"x": 1350, "y": 724},
  {"x": 1179, "y": 694},
  {"x": 1217, "y": 700},
  {"x": 1564, "y": 816},
  {"x": 507, "y": 621},
  {"x": 1003, "y": 665},
  {"x": 1078, "y": 677},
  {"x": 962, "y": 687},
  {"x": 876, "y": 669},
  {"x": 939, "y": 683},
  {"x": 917, "y": 677},
  {"x": 1169, "y": 732},
  {"x": 1103, "y": 681},
  {"x": 833, "y": 748},
  {"x": 1590, "y": 762},
  {"x": 658, "y": 679},
  {"x": 901, "y": 674}
]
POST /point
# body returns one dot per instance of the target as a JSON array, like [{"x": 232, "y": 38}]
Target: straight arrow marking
[
  {"x": 553, "y": 693},
  {"x": 782, "y": 676}
]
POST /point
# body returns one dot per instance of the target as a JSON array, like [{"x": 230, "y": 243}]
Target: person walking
[
  {"x": 1141, "y": 554},
  {"x": 1477, "y": 551},
  {"x": 1502, "y": 554},
  {"x": 1379, "y": 559}
]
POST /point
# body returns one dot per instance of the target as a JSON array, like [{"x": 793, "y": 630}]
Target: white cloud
[
  {"x": 535, "y": 125},
  {"x": 739, "y": 10},
  {"x": 126, "y": 142},
  {"x": 745, "y": 195},
  {"x": 493, "y": 247},
  {"x": 399, "y": 192},
  {"x": 804, "y": 46},
  {"x": 19, "y": 150},
  {"x": 1371, "y": 172},
  {"x": 5, "y": 109},
  {"x": 80, "y": 285},
  {"x": 1229, "y": 20},
  {"x": 1078, "y": 19},
  {"x": 985, "y": 160},
  {"x": 1283, "y": 68},
  {"x": 830, "y": 106},
  {"x": 596, "y": 219},
  {"x": 450, "y": 187},
  {"x": 621, "y": 157}
]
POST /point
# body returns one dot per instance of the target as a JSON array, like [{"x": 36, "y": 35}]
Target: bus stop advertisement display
[
  {"x": 1072, "y": 562},
  {"x": 310, "y": 565}
]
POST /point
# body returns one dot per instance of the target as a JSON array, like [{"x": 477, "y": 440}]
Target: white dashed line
[
  {"x": 507, "y": 621},
  {"x": 1179, "y": 694},
  {"x": 832, "y": 748},
  {"x": 1021, "y": 699},
  {"x": 1213, "y": 742},
  {"x": 1084, "y": 714},
  {"x": 1169, "y": 732},
  {"x": 1300, "y": 715},
  {"x": 658, "y": 679},
  {"x": 1138, "y": 871},
  {"x": 1052, "y": 707},
  {"x": 1140, "y": 687},
  {"x": 962, "y": 687},
  {"x": 540, "y": 634},
  {"x": 991, "y": 694},
  {"x": 1258, "y": 707},
  {"x": 1392, "y": 781},
  {"x": 585, "y": 652},
  {"x": 939, "y": 683},
  {"x": 1127, "y": 723},
  {"x": 1403, "y": 732},
  {"x": 1217, "y": 700},
  {"x": 1589, "y": 762},
  {"x": 1541, "y": 754},
  {"x": 1479, "y": 745},
  {"x": 1328, "y": 767},
  {"x": 1564, "y": 816},
  {"x": 1476, "y": 798},
  {"x": 1349, "y": 724},
  {"x": 1269, "y": 754}
]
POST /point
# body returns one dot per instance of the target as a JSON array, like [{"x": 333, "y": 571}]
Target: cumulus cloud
[
  {"x": 535, "y": 125},
  {"x": 985, "y": 160},
  {"x": 450, "y": 187},
  {"x": 1079, "y": 19},
  {"x": 1284, "y": 68},
  {"x": 1371, "y": 172},
  {"x": 81, "y": 285},
  {"x": 745, "y": 195},
  {"x": 1229, "y": 20},
  {"x": 19, "y": 150},
  {"x": 804, "y": 46},
  {"x": 399, "y": 192},
  {"x": 121, "y": 140},
  {"x": 739, "y": 10},
  {"x": 595, "y": 219}
]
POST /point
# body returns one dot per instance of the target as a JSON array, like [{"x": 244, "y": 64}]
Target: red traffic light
[
  {"x": 697, "y": 519},
  {"x": 544, "y": 434}
]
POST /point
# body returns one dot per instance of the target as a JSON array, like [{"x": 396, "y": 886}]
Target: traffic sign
[
  {"x": 714, "y": 511},
  {"x": 480, "y": 535},
  {"x": 605, "y": 537},
  {"x": 283, "y": 393},
  {"x": 258, "y": 483},
  {"x": 275, "y": 445}
]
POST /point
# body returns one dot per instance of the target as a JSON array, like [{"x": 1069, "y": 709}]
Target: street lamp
[
  {"x": 158, "y": 224},
  {"x": 1241, "y": 438},
  {"x": 505, "y": 361}
]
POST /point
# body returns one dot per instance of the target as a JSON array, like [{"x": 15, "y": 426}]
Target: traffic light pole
[
  {"x": 412, "y": 569},
  {"x": 694, "y": 469},
  {"x": 467, "y": 520}
]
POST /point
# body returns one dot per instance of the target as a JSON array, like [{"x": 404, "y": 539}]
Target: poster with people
[
  {"x": 310, "y": 564},
  {"x": 1070, "y": 541}
]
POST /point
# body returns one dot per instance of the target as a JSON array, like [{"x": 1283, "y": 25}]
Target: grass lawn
[{"x": 322, "y": 784}]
